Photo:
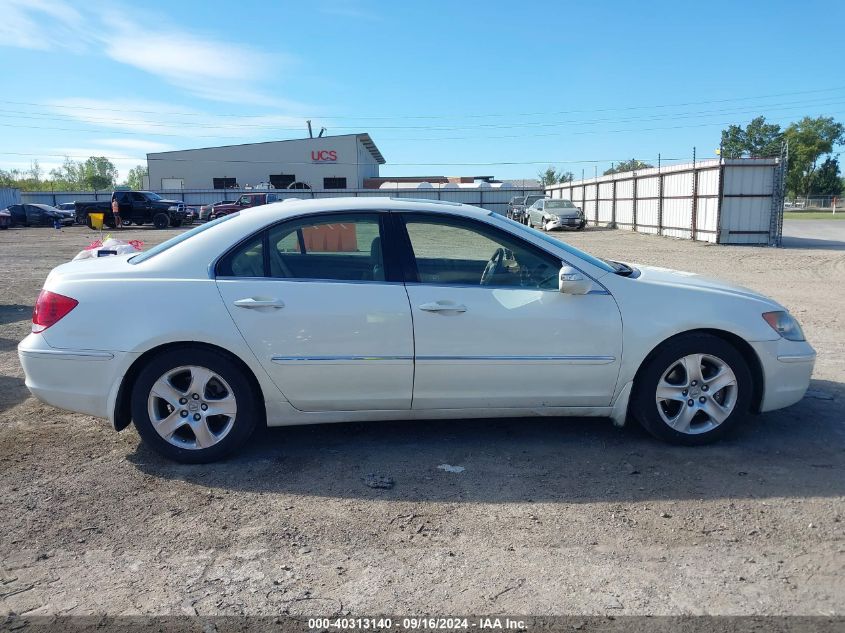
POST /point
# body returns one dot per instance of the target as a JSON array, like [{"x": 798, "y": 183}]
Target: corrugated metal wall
[
  {"x": 9, "y": 196},
  {"x": 723, "y": 201},
  {"x": 494, "y": 199}
]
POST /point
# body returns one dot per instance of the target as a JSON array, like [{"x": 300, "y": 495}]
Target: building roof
[{"x": 364, "y": 138}]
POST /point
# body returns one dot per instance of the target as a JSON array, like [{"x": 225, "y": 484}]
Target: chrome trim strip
[
  {"x": 574, "y": 359},
  {"x": 62, "y": 354},
  {"x": 288, "y": 359},
  {"x": 797, "y": 358},
  {"x": 570, "y": 359}
]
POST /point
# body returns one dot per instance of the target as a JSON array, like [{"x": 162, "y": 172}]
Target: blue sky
[{"x": 493, "y": 88}]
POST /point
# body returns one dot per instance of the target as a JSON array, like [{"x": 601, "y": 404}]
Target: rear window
[{"x": 173, "y": 241}]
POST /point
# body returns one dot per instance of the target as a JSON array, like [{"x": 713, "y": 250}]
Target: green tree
[
  {"x": 98, "y": 172},
  {"x": 759, "y": 139},
  {"x": 135, "y": 179},
  {"x": 827, "y": 181},
  {"x": 566, "y": 176},
  {"x": 548, "y": 176},
  {"x": 69, "y": 176},
  {"x": 809, "y": 139},
  {"x": 627, "y": 165}
]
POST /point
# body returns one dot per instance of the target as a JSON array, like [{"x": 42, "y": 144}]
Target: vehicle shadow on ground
[
  {"x": 13, "y": 391},
  {"x": 12, "y": 313},
  {"x": 807, "y": 242},
  {"x": 797, "y": 452}
]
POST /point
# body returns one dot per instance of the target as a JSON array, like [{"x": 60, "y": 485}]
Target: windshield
[
  {"x": 559, "y": 204},
  {"x": 532, "y": 199},
  {"x": 173, "y": 241},
  {"x": 605, "y": 265}
]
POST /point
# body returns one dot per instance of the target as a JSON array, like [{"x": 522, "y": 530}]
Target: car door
[
  {"x": 493, "y": 331},
  {"x": 34, "y": 215},
  {"x": 324, "y": 311}
]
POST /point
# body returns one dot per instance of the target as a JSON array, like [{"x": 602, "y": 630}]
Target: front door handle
[
  {"x": 443, "y": 306},
  {"x": 252, "y": 303}
]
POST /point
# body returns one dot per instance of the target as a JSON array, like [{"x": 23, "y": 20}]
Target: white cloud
[
  {"x": 165, "y": 120},
  {"x": 41, "y": 25},
  {"x": 203, "y": 64}
]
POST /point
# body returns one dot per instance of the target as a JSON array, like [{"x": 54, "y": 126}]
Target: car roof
[{"x": 283, "y": 209}]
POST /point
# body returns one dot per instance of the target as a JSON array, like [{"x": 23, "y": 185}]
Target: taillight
[{"x": 49, "y": 309}]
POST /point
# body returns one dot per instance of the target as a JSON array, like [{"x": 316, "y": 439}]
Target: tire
[
  {"x": 581, "y": 227},
  {"x": 161, "y": 220},
  {"x": 127, "y": 222},
  {"x": 176, "y": 223},
  {"x": 4, "y": 227},
  {"x": 654, "y": 415},
  {"x": 222, "y": 433}
]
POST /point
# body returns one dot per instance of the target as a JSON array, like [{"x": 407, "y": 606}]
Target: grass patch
[{"x": 813, "y": 215}]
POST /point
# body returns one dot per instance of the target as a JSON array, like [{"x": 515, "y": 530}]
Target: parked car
[
  {"x": 551, "y": 214},
  {"x": 518, "y": 205},
  {"x": 346, "y": 309},
  {"x": 191, "y": 215},
  {"x": 246, "y": 201},
  {"x": 37, "y": 215},
  {"x": 5, "y": 219},
  {"x": 206, "y": 209},
  {"x": 138, "y": 207}
]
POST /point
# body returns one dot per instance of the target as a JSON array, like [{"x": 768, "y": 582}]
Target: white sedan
[{"x": 354, "y": 309}]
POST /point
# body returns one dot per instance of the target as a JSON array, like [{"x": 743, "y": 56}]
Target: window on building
[
  {"x": 282, "y": 181},
  {"x": 225, "y": 183},
  {"x": 334, "y": 183}
]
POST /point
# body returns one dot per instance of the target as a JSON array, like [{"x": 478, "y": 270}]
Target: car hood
[
  {"x": 565, "y": 213},
  {"x": 163, "y": 201},
  {"x": 684, "y": 279}
]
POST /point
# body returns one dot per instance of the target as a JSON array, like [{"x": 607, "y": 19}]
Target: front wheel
[
  {"x": 693, "y": 390},
  {"x": 193, "y": 405},
  {"x": 161, "y": 221}
]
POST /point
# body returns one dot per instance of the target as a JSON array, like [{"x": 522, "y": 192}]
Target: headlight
[
  {"x": 553, "y": 218},
  {"x": 784, "y": 324}
]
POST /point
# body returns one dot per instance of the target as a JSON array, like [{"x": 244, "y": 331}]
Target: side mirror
[{"x": 573, "y": 282}]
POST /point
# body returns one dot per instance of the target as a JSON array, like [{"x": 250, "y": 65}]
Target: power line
[
  {"x": 287, "y": 162},
  {"x": 789, "y": 105},
  {"x": 436, "y": 117}
]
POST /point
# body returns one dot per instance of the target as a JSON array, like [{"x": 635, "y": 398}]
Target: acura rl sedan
[{"x": 353, "y": 309}]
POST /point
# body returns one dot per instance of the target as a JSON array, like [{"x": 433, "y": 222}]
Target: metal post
[
  {"x": 634, "y": 202},
  {"x": 721, "y": 199},
  {"x": 694, "y": 214},
  {"x": 613, "y": 202}
]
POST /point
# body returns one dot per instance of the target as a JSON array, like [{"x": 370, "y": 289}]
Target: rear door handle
[
  {"x": 443, "y": 306},
  {"x": 252, "y": 303}
]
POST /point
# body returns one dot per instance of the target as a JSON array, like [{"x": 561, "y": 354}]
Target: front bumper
[
  {"x": 560, "y": 223},
  {"x": 84, "y": 381},
  {"x": 787, "y": 368}
]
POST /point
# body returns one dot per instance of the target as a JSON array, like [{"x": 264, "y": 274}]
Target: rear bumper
[
  {"x": 787, "y": 369},
  {"x": 75, "y": 380}
]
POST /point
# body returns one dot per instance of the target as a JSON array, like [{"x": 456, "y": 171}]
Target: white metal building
[{"x": 328, "y": 162}]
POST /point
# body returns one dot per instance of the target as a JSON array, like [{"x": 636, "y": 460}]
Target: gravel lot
[{"x": 551, "y": 516}]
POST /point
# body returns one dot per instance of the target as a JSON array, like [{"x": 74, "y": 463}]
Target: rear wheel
[
  {"x": 693, "y": 390},
  {"x": 193, "y": 405},
  {"x": 161, "y": 221}
]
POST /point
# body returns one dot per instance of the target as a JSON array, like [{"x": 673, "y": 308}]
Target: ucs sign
[{"x": 324, "y": 156}]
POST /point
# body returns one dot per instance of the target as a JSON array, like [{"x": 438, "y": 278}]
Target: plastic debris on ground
[{"x": 110, "y": 246}]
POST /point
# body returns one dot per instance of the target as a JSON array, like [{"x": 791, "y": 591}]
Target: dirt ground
[{"x": 550, "y": 516}]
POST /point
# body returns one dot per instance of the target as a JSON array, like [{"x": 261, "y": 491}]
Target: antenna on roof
[
  {"x": 310, "y": 132},
  {"x": 322, "y": 131}
]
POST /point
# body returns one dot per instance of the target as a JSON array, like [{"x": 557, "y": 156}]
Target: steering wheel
[{"x": 494, "y": 267}]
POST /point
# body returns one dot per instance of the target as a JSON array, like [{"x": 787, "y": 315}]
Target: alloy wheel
[
  {"x": 696, "y": 393},
  {"x": 192, "y": 407}
]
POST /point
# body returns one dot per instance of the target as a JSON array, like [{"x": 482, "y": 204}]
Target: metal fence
[
  {"x": 9, "y": 196},
  {"x": 495, "y": 199},
  {"x": 822, "y": 203},
  {"x": 725, "y": 201}
]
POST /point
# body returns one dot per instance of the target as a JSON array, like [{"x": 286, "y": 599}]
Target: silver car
[{"x": 550, "y": 214}]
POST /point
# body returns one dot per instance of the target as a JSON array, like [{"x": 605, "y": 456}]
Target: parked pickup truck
[
  {"x": 139, "y": 207},
  {"x": 246, "y": 201},
  {"x": 518, "y": 205}
]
